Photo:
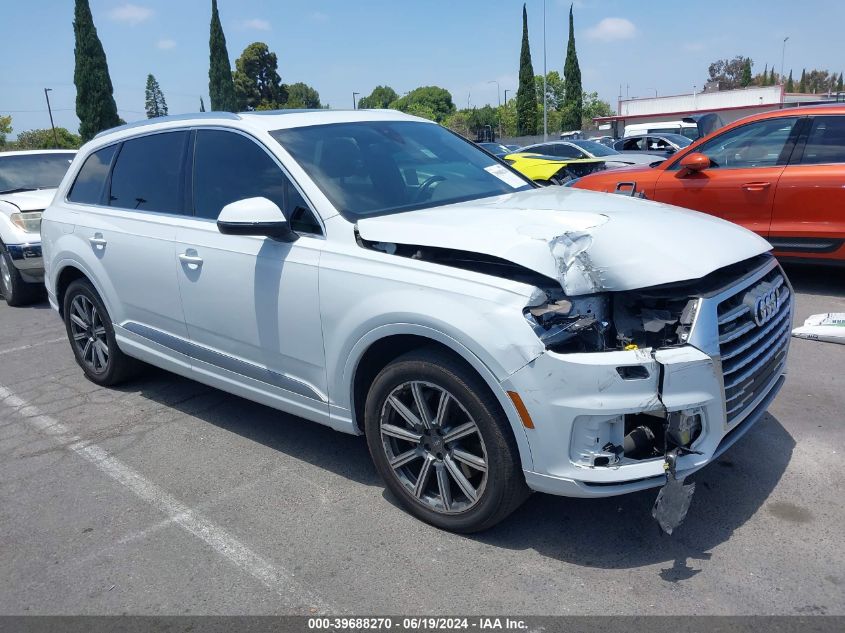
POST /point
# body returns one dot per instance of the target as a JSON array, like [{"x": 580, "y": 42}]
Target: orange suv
[{"x": 780, "y": 174}]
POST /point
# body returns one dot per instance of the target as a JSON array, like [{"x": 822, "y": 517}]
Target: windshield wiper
[{"x": 20, "y": 189}]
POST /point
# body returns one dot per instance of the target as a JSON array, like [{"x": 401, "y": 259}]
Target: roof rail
[{"x": 176, "y": 117}]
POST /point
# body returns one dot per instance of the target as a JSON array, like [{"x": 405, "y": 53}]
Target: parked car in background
[
  {"x": 373, "y": 272},
  {"x": 780, "y": 174},
  {"x": 497, "y": 149},
  {"x": 663, "y": 145},
  {"x": 583, "y": 148},
  {"x": 28, "y": 180},
  {"x": 688, "y": 128},
  {"x": 552, "y": 170}
]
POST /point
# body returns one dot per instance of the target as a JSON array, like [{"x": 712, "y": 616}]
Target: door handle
[
  {"x": 97, "y": 241},
  {"x": 191, "y": 259},
  {"x": 756, "y": 186}
]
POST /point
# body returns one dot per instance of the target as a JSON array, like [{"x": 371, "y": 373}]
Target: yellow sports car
[{"x": 553, "y": 170}]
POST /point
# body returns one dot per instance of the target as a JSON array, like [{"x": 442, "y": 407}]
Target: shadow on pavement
[{"x": 826, "y": 281}]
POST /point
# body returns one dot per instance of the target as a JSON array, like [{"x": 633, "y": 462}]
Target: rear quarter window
[
  {"x": 90, "y": 183},
  {"x": 826, "y": 141}
]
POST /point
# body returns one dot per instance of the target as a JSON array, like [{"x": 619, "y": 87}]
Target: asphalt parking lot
[{"x": 167, "y": 497}]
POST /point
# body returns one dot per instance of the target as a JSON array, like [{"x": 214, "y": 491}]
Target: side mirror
[
  {"x": 695, "y": 162},
  {"x": 255, "y": 216}
]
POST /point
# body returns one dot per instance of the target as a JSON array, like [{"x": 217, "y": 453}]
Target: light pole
[
  {"x": 354, "y": 100},
  {"x": 782, "y": 56},
  {"x": 545, "y": 96},
  {"x": 499, "y": 98},
  {"x": 50, "y": 110},
  {"x": 506, "y": 96}
]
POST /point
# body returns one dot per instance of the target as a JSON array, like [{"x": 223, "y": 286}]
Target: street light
[
  {"x": 499, "y": 98},
  {"x": 354, "y": 100},
  {"x": 506, "y": 96},
  {"x": 782, "y": 55},
  {"x": 50, "y": 110}
]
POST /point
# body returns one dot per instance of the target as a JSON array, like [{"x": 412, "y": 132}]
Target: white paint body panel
[{"x": 289, "y": 322}]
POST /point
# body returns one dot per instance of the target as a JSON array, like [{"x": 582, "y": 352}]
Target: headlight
[
  {"x": 564, "y": 324},
  {"x": 29, "y": 221}
]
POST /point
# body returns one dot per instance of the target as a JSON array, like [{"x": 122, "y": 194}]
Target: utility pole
[
  {"x": 782, "y": 56},
  {"x": 499, "y": 98},
  {"x": 545, "y": 96},
  {"x": 354, "y": 100},
  {"x": 50, "y": 110},
  {"x": 506, "y": 97}
]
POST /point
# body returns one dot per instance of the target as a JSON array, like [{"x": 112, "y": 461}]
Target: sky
[{"x": 340, "y": 47}]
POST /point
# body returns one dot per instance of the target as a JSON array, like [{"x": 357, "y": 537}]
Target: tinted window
[
  {"x": 90, "y": 183},
  {"x": 229, "y": 167},
  {"x": 826, "y": 141},
  {"x": 753, "y": 145},
  {"x": 33, "y": 171},
  {"x": 562, "y": 150},
  {"x": 631, "y": 144},
  {"x": 148, "y": 174}
]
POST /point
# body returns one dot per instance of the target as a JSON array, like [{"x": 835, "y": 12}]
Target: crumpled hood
[
  {"x": 589, "y": 242},
  {"x": 27, "y": 200}
]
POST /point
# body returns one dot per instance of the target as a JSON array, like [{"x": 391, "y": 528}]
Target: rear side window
[
  {"x": 90, "y": 184},
  {"x": 148, "y": 175},
  {"x": 826, "y": 141},
  {"x": 229, "y": 167}
]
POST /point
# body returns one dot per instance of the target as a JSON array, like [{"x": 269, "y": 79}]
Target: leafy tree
[
  {"x": 526, "y": 94},
  {"x": 458, "y": 122},
  {"x": 302, "y": 95},
  {"x": 43, "y": 139},
  {"x": 95, "y": 104},
  {"x": 221, "y": 88},
  {"x": 154, "y": 102},
  {"x": 745, "y": 80},
  {"x": 555, "y": 90},
  {"x": 802, "y": 83},
  {"x": 593, "y": 108},
  {"x": 790, "y": 84},
  {"x": 380, "y": 97},
  {"x": 5, "y": 128},
  {"x": 430, "y": 102},
  {"x": 202, "y": 105},
  {"x": 572, "y": 114},
  {"x": 257, "y": 82},
  {"x": 728, "y": 72},
  {"x": 818, "y": 81}
]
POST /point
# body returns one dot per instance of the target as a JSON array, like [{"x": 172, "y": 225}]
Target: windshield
[
  {"x": 495, "y": 148},
  {"x": 26, "y": 172},
  {"x": 380, "y": 167},
  {"x": 594, "y": 148},
  {"x": 677, "y": 139}
]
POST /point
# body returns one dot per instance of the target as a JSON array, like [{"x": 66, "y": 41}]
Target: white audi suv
[{"x": 374, "y": 272}]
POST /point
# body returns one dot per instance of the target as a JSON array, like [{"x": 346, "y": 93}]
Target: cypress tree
[
  {"x": 839, "y": 86},
  {"x": 95, "y": 104},
  {"x": 221, "y": 88},
  {"x": 790, "y": 84},
  {"x": 772, "y": 80},
  {"x": 155, "y": 104},
  {"x": 573, "y": 100},
  {"x": 764, "y": 78},
  {"x": 745, "y": 81},
  {"x": 526, "y": 95},
  {"x": 802, "y": 83}
]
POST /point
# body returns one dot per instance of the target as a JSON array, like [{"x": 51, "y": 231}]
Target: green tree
[
  {"x": 430, "y": 102},
  {"x": 458, "y": 122},
  {"x": 802, "y": 83},
  {"x": 790, "y": 84},
  {"x": 764, "y": 78},
  {"x": 221, "y": 88},
  {"x": 728, "y": 72},
  {"x": 526, "y": 94},
  {"x": 839, "y": 86},
  {"x": 95, "y": 104},
  {"x": 574, "y": 99},
  {"x": 302, "y": 95},
  {"x": 745, "y": 80},
  {"x": 593, "y": 108},
  {"x": 154, "y": 102},
  {"x": 257, "y": 82},
  {"x": 555, "y": 90},
  {"x": 43, "y": 139},
  {"x": 202, "y": 105},
  {"x": 5, "y": 128},
  {"x": 380, "y": 97},
  {"x": 772, "y": 80}
]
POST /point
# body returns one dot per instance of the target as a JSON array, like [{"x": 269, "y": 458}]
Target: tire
[
  {"x": 91, "y": 335},
  {"x": 15, "y": 290},
  {"x": 478, "y": 468}
]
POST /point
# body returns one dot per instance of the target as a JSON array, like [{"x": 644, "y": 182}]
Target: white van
[{"x": 688, "y": 129}]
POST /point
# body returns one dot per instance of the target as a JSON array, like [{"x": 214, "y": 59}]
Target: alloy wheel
[
  {"x": 6, "y": 274},
  {"x": 434, "y": 447},
  {"x": 89, "y": 334}
]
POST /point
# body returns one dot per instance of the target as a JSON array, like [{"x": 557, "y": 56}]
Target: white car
[
  {"x": 373, "y": 272},
  {"x": 28, "y": 180}
]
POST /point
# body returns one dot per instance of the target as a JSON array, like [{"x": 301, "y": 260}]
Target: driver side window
[{"x": 757, "y": 144}]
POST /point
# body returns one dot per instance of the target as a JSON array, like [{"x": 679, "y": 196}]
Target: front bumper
[
  {"x": 578, "y": 404},
  {"x": 28, "y": 260}
]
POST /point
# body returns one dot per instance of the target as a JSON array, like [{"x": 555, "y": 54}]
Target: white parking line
[
  {"x": 31, "y": 345},
  {"x": 272, "y": 576}
]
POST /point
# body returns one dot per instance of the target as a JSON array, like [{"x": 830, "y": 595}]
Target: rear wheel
[
  {"x": 15, "y": 290},
  {"x": 89, "y": 329},
  {"x": 442, "y": 444}
]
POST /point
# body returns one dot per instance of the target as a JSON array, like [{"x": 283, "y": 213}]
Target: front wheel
[
  {"x": 15, "y": 290},
  {"x": 442, "y": 444}
]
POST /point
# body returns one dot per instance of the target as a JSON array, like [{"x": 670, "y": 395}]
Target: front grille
[{"x": 754, "y": 330}]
